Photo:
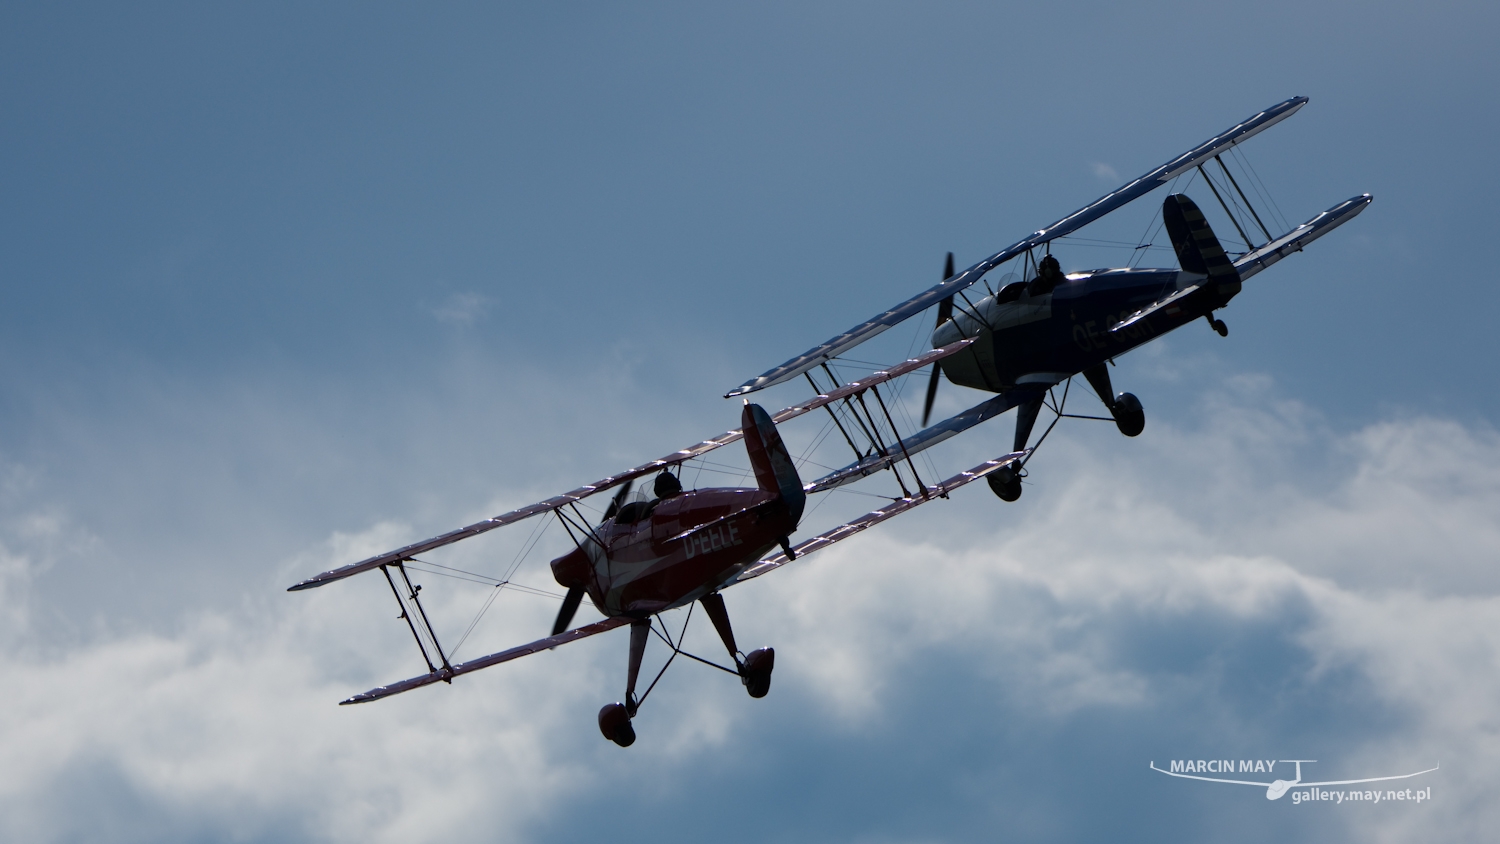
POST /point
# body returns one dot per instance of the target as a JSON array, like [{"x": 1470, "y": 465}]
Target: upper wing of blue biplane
[{"x": 1067, "y": 225}]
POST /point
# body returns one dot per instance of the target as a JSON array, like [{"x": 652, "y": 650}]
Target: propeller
[
  {"x": 569, "y": 606},
  {"x": 945, "y": 313},
  {"x": 575, "y": 594}
]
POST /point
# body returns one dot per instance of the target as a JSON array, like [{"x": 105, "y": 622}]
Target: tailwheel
[
  {"x": 614, "y": 723},
  {"x": 1006, "y": 483},
  {"x": 755, "y": 671}
]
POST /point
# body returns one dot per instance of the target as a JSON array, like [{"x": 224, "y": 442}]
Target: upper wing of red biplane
[
  {"x": 1067, "y": 225},
  {"x": 676, "y": 457}
]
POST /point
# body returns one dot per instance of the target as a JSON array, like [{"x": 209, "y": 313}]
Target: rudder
[
  {"x": 1198, "y": 250},
  {"x": 774, "y": 471}
]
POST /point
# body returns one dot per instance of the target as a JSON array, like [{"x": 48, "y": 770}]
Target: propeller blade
[
  {"x": 932, "y": 386},
  {"x": 569, "y": 607},
  {"x": 575, "y": 594},
  {"x": 618, "y": 502},
  {"x": 945, "y": 313}
]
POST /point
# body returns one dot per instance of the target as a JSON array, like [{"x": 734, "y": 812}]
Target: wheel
[
  {"x": 1005, "y": 484},
  {"x": 1130, "y": 417},
  {"x": 1220, "y": 327},
  {"x": 625, "y": 735},
  {"x": 755, "y": 673},
  {"x": 614, "y": 723}
]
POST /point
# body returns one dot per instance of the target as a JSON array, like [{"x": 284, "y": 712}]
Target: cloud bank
[{"x": 1255, "y": 585}]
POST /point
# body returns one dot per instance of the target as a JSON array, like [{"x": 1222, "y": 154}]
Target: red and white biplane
[{"x": 678, "y": 547}]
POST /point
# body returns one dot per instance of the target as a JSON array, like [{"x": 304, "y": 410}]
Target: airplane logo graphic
[{"x": 1276, "y": 788}]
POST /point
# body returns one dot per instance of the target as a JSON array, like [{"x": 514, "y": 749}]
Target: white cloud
[
  {"x": 462, "y": 309},
  {"x": 1370, "y": 550}
]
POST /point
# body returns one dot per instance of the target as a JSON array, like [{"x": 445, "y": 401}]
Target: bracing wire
[{"x": 1261, "y": 191}]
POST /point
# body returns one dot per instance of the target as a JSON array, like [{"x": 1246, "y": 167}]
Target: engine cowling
[{"x": 571, "y": 570}]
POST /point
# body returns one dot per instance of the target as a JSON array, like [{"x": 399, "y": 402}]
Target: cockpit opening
[
  {"x": 1010, "y": 292},
  {"x": 635, "y": 511}
]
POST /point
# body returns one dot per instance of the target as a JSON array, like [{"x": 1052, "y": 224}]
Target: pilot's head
[{"x": 666, "y": 485}]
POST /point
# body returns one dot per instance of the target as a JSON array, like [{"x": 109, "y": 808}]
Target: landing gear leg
[
  {"x": 1006, "y": 482},
  {"x": 755, "y": 668},
  {"x": 1218, "y": 325},
  {"x": 640, "y": 631},
  {"x": 1025, "y": 420},
  {"x": 1129, "y": 416},
  {"x": 614, "y": 718}
]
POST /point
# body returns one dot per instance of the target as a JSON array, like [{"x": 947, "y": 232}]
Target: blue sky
[{"x": 286, "y": 285}]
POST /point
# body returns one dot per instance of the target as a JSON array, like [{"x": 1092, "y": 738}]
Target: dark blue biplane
[{"x": 1041, "y": 327}]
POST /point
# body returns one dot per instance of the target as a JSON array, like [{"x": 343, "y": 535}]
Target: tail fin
[
  {"x": 1198, "y": 250},
  {"x": 773, "y": 467}
]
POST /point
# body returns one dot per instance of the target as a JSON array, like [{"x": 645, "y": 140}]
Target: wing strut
[
  {"x": 835, "y": 417},
  {"x": 1237, "y": 189},
  {"x": 884, "y": 452},
  {"x": 486, "y": 661},
  {"x": 1222, "y": 204},
  {"x": 418, "y": 623},
  {"x": 921, "y": 487}
]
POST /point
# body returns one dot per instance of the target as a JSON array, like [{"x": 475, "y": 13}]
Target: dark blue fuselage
[{"x": 1044, "y": 339}]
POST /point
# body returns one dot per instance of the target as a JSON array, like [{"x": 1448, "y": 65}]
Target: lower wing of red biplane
[
  {"x": 771, "y": 563},
  {"x": 882, "y": 455}
]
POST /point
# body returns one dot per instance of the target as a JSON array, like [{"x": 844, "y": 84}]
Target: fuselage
[
  {"x": 656, "y": 555},
  {"x": 1031, "y": 339}
]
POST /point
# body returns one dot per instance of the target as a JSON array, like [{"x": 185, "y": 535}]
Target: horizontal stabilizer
[
  {"x": 1158, "y": 305},
  {"x": 486, "y": 661},
  {"x": 407, "y": 552},
  {"x": 869, "y": 520},
  {"x": 1294, "y": 240},
  {"x": 925, "y": 438}
]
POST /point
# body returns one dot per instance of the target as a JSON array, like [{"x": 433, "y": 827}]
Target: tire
[
  {"x": 614, "y": 723},
  {"x": 1008, "y": 488},
  {"x": 625, "y": 735},
  {"x": 756, "y": 671},
  {"x": 1130, "y": 417}
]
